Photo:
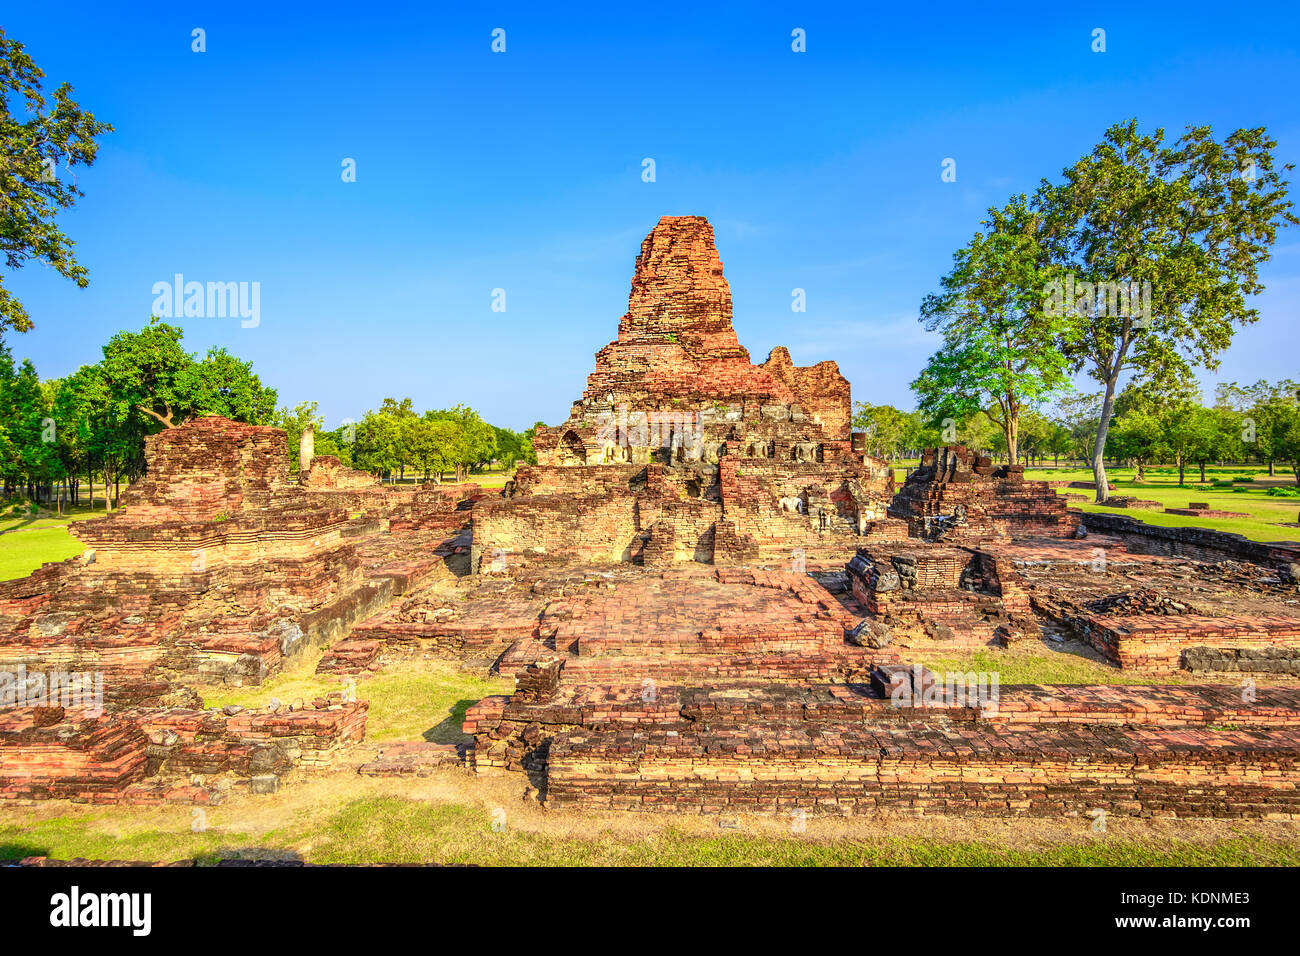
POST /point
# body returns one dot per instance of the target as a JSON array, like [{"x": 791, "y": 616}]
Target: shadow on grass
[
  {"x": 251, "y": 856},
  {"x": 13, "y": 852},
  {"x": 23, "y": 523},
  {"x": 448, "y": 730}
]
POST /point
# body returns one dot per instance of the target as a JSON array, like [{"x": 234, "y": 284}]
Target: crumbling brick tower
[
  {"x": 681, "y": 448},
  {"x": 677, "y": 352}
]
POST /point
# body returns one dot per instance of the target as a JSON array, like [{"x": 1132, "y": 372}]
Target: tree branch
[{"x": 166, "y": 421}]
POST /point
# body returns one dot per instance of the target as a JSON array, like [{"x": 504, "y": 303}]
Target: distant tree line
[
  {"x": 1259, "y": 424},
  {"x": 396, "y": 439},
  {"x": 60, "y": 438}
]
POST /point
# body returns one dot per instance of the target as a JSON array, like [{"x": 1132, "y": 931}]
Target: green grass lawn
[
  {"x": 27, "y": 542},
  {"x": 1267, "y": 513},
  {"x": 1038, "y": 664}
]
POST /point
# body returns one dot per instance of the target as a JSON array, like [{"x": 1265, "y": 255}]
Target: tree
[
  {"x": 337, "y": 442},
  {"x": 221, "y": 384},
  {"x": 31, "y": 193},
  {"x": 1199, "y": 435},
  {"x": 378, "y": 446},
  {"x": 29, "y": 451},
  {"x": 1157, "y": 404},
  {"x": 885, "y": 427},
  {"x": 1035, "y": 434},
  {"x": 146, "y": 380},
  {"x": 1224, "y": 436},
  {"x": 1080, "y": 413},
  {"x": 1059, "y": 442},
  {"x": 512, "y": 446},
  {"x": 1002, "y": 350},
  {"x": 1139, "y": 435},
  {"x": 446, "y": 445},
  {"x": 1182, "y": 230},
  {"x": 530, "y": 453},
  {"x": 979, "y": 431},
  {"x": 109, "y": 434},
  {"x": 1286, "y": 438},
  {"x": 149, "y": 373},
  {"x": 480, "y": 441},
  {"x": 918, "y": 434}
]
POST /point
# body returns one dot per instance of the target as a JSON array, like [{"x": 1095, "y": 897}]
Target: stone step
[{"x": 413, "y": 759}]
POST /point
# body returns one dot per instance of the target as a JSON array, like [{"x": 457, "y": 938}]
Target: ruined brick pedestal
[{"x": 960, "y": 496}]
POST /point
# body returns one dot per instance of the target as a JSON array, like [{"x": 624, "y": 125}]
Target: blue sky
[{"x": 522, "y": 171}]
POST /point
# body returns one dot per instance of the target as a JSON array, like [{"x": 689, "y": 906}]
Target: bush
[{"x": 1292, "y": 492}]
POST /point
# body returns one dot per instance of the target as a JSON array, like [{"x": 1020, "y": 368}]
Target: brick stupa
[{"x": 682, "y": 449}]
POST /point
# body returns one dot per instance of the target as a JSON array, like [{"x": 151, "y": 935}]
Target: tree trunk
[
  {"x": 1202, "y": 472},
  {"x": 1270, "y": 467},
  {"x": 1182, "y": 466},
  {"x": 1099, "y": 448}
]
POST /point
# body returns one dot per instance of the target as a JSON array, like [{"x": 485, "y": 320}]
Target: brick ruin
[
  {"x": 708, "y": 600},
  {"x": 218, "y": 568},
  {"x": 959, "y": 494},
  {"x": 726, "y": 690}
]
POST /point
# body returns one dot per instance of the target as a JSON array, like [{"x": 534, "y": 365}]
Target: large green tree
[
  {"x": 41, "y": 142},
  {"x": 149, "y": 373},
  {"x": 1198, "y": 435},
  {"x": 294, "y": 421},
  {"x": 147, "y": 380},
  {"x": 28, "y": 444},
  {"x": 1286, "y": 438},
  {"x": 1002, "y": 351},
  {"x": 479, "y": 445},
  {"x": 1184, "y": 227},
  {"x": 378, "y": 445},
  {"x": 1139, "y": 436}
]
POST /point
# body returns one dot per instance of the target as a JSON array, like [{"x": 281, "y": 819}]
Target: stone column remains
[{"x": 306, "y": 449}]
